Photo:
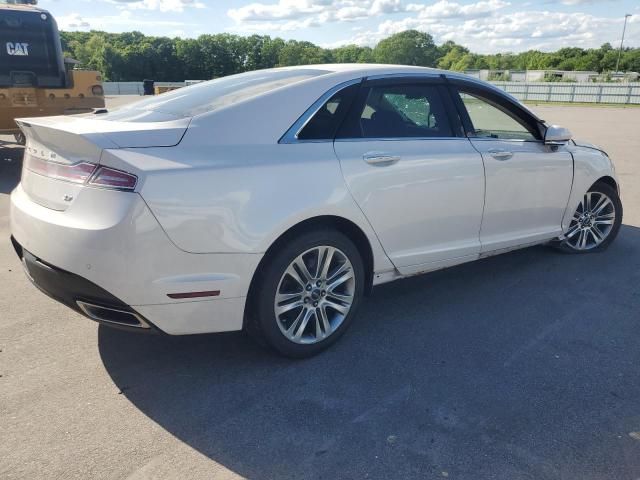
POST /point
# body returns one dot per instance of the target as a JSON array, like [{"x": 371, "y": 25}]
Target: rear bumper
[
  {"x": 107, "y": 249},
  {"x": 80, "y": 294}
]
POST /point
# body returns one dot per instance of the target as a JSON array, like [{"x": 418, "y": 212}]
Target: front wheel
[
  {"x": 307, "y": 293},
  {"x": 596, "y": 221}
]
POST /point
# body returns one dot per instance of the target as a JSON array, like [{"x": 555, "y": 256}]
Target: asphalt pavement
[{"x": 521, "y": 366}]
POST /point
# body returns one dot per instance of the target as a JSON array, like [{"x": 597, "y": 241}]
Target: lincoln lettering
[{"x": 18, "y": 49}]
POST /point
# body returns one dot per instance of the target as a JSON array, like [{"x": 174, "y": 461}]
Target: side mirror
[{"x": 556, "y": 135}]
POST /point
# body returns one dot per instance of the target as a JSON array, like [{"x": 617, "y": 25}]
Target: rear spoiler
[{"x": 103, "y": 133}]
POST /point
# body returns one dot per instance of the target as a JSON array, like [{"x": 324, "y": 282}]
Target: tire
[
  {"x": 593, "y": 233},
  {"x": 302, "y": 321}
]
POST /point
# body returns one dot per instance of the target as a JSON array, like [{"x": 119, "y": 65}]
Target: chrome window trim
[
  {"x": 515, "y": 140},
  {"x": 396, "y": 139},
  {"x": 291, "y": 135}
]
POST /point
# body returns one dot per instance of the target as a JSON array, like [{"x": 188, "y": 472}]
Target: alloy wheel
[
  {"x": 592, "y": 222},
  {"x": 314, "y": 295}
]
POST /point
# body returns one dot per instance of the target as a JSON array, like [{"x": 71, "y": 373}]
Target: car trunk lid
[{"x": 63, "y": 152}]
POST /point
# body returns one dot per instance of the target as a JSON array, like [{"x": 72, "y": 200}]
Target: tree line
[{"x": 132, "y": 56}]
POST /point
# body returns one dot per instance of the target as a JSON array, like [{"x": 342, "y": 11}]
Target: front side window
[
  {"x": 490, "y": 121},
  {"x": 398, "y": 111}
]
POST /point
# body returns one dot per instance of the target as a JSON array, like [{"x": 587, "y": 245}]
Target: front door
[{"x": 527, "y": 182}]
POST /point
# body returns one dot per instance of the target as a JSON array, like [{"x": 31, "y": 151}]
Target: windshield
[{"x": 215, "y": 94}]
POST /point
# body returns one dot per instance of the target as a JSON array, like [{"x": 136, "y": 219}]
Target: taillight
[
  {"x": 82, "y": 172},
  {"x": 97, "y": 90},
  {"x": 75, "y": 173},
  {"x": 111, "y": 178}
]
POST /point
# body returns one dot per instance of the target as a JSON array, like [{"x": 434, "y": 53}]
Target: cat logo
[{"x": 18, "y": 49}]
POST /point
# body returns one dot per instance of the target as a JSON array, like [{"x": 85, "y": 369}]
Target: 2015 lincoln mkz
[{"x": 274, "y": 200}]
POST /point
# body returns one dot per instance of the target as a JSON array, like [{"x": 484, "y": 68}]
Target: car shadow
[
  {"x": 10, "y": 166},
  {"x": 521, "y": 365}
]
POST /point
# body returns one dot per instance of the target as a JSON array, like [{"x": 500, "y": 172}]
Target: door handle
[
  {"x": 380, "y": 159},
  {"x": 500, "y": 154}
]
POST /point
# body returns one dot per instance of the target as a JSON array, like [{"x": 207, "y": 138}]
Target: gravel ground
[{"x": 522, "y": 366}]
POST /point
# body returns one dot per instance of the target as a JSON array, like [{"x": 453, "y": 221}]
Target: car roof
[{"x": 367, "y": 68}]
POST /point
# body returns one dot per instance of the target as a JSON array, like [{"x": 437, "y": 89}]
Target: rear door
[
  {"x": 527, "y": 182},
  {"x": 416, "y": 178}
]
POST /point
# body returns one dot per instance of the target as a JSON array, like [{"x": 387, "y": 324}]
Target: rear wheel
[
  {"x": 596, "y": 221},
  {"x": 307, "y": 293}
]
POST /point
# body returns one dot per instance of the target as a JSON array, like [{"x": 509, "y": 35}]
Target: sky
[{"x": 484, "y": 26}]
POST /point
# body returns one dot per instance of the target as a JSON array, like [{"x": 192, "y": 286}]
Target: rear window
[{"x": 215, "y": 94}]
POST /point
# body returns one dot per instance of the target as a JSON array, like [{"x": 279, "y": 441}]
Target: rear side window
[
  {"x": 325, "y": 122},
  {"x": 398, "y": 111}
]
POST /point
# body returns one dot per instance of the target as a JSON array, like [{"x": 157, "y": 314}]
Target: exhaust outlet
[{"x": 112, "y": 315}]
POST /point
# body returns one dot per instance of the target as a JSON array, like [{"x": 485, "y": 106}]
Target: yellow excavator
[{"x": 35, "y": 78}]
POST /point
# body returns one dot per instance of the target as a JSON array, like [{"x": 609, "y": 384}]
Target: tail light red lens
[
  {"x": 75, "y": 173},
  {"x": 111, "y": 178},
  {"x": 82, "y": 172}
]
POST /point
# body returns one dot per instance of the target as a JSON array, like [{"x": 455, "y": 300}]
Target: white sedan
[{"x": 274, "y": 200}]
